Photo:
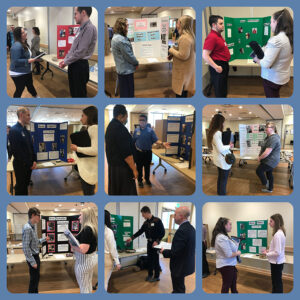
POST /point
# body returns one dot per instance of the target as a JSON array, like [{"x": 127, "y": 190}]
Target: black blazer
[{"x": 182, "y": 253}]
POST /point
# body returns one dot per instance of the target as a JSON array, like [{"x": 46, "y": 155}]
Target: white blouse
[
  {"x": 110, "y": 246},
  {"x": 277, "y": 247},
  {"x": 225, "y": 247},
  {"x": 219, "y": 150}
]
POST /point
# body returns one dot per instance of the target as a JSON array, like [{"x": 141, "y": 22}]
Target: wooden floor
[
  {"x": 171, "y": 183},
  {"x": 55, "y": 87},
  {"x": 247, "y": 283},
  {"x": 244, "y": 180},
  {"x": 131, "y": 281},
  {"x": 252, "y": 87}
]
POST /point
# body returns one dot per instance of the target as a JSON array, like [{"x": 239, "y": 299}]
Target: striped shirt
[{"x": 30, "y": 242}]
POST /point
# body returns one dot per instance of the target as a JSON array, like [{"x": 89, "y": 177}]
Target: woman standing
[
  {"x": 226, "y": 254},
  {"x": 86, "y": 258},
  {"x": 110, "y": 250},
  {"x": 184, "y": 63},
  {"x": 278, "y": 54},
  {"x": 88, "y": 166},
  {"x": 20, "y": 64},
  {"x": 214, "y": 141},
  {"x": 35, "y": 48},
  {"x": 275, "y": 254}
]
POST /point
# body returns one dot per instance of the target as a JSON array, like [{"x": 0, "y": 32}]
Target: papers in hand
[
  {"x": 164, "y": 245},
  {"x": 71, "y": 238},
  {"x": 40, "y": 55}
]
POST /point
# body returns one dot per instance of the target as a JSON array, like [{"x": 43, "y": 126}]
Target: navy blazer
[
  {"x": 19, "y": 59},
  {"x": 182, "y": 253}
]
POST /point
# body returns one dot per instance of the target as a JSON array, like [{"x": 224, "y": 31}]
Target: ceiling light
[
  {"x": 217, "y": 109},
  {"x": 230, "y": 115},
  {"x": 240, "y": 107},
  {"x": 37, "y": 205},
  {"x": 250, "y": 112},
  {"x": 60, "y": 205}
]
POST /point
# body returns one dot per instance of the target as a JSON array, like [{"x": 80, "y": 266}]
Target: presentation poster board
[
  {"x": 123, "y": 229},
  {"x": 173, "y": 135},
  {"x": 186, "y": 133},
  {"x": 251, "y": 138},
  {"x": 54, "y": 227},
  {"x": 65, "y": 38},
  {"x": 239, "y": 32},
  {"x": 255, "y": 235},
  {"x": 49, "y": 140},
  {"x": 149, "y": 37}
]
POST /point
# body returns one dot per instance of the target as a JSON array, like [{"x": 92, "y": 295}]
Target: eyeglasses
[
  {"x": 269, "y": 127},
  {"x": 142, "y": 120}
]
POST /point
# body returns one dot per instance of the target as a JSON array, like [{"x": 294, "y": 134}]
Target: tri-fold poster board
[
  {"x": 122, "y": 227},
  {"x": 65, "y": 38}
]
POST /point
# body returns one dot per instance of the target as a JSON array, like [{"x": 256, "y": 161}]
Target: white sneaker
[
  {"x": 37, "y": 96},
  {"x": 266, "y": 191}
]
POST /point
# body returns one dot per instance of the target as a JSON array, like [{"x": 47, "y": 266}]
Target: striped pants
[
  {"x": 84, "y": 267},
  {"x": 108, "y": 266}
]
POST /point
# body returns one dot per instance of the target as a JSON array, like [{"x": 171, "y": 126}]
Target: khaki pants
[{"x": 108, "y": 267}]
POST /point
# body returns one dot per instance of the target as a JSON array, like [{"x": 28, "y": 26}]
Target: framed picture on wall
[
  {"x": 51, "y": 237},
  {"x": 51, "y": 248},
  {"x": 50, "y": 226},
  {"x": 75, "y": 226}
]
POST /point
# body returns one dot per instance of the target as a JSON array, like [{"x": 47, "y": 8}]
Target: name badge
[
  {"x": 152, "y": 224},
  {"x": 23, "y": 134},
  {"x": 138, "y": 133}
]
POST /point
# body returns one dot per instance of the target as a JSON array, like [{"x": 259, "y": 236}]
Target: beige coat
[{"x": 184, "y": 65}]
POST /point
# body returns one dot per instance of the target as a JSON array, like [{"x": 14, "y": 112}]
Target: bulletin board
[
  {"x": 173, "y": 135},
  {"x": 239, "y": 32},
  {"x": 49, "y": 140},
  {"x": 149, "y": 37},
  {"x": 54, "y": 228},
  {"x": 255, "y": 234},
  {"x": 251, "y": 138},
  {"x": 65, "y": 37},
  {"x": 123, "y": 229}
]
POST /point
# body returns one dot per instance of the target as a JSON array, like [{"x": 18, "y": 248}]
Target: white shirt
[
  {"x": 110, "y": 246},
  {"x": 276, "y": 64},
  {"x": 277, "y": 247},
  {"x": 225, "y": 247},
  {"x": 88, "y": 166},
  {"x": 218, "y": 150}
]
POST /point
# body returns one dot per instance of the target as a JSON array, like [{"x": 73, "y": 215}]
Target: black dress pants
[
  {"x": 184, "y": 94},
  {"x": 126, "y": 85},
  {"x": 78, "y": 75},
  {"x": 261, "y": 170},
  {"x": 271, "y": 89},
  {"x": 222, "y": 181},
  {"x": 219, "y": 80},
  {"x": 276, "y": 274},
  {"x": 205, "y": 268},
  {"x": 229, "y": 278},
  {"x": 23, "y": 175},
  {"x": 143, "y": 160},
  {"x": 21, "y": 82},
  {"x": 88, "y": 189},
  {"x": 178, "y": 284},
  {"x": 153, "y": 260},
  {"x": 34, "y": 276}
]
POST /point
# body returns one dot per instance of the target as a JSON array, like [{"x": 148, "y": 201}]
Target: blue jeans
[
  {"x": 222, "y": 181},
  {"x": 261, "y": 170}
]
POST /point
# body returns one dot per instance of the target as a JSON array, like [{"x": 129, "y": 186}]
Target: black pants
[
  {"x": 261, "y": 170},
  {"x": 153, "y": 261},
  {"x": 143, "y": 160},
  {"x": 222, "y": 181},
  {"x": 23, "y": 175},
  {"x": 78, "y": 75},
  {"x": 219, "y": 80},
  {"x": 229, "y": 277},
  {"x": 21, "y": 82},
  {"x": 120, "y": 181},
  {"x": 34, "y": 276},
  {"x": 37, "y": 67},
  {"x": 88, "y": 189},
  {"x": 205, "y": 268},
  {"x": 183, "y": 95},
  {"x": 178, "y": 284},
  {"x": 276, "y": 274},
  {"x": 271, "y": 89},
  {"x": 126, "y": 85}
]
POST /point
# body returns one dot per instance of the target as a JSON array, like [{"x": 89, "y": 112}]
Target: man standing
[
  {"x": 155, "y": 231},
  {"x": 182, "y": 253},
  {"x": 82, "y": 49},
  {"x": 122, "y": 171},
  {"x": 217, "y": 55},
  {"x": 31, "y": 243},
  {"x": 21, "y": 148},
  {"x": 10, "y": 37},
  {"x": 144, "y": 137}
]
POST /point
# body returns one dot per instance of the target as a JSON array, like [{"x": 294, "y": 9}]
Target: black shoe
[
  {"x": 154, "y": 279},
  {"x": 141, "y": 184},
  {"x": 148, "y": 182},
  {"x": 37, "y": 73},
  {"x": 205, "y": 275},
  {"x": 148, "y": 278}
]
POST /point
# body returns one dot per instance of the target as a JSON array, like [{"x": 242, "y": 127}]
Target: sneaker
[
  {"x": 266, "y": 191},
  {"x": 148, "y": 278},
  {"x": 37, "y": 96},
  {"x": 154, "y": 279},
  {"x": 148, "y": 182},
  {"x": 141, "y": 184}
]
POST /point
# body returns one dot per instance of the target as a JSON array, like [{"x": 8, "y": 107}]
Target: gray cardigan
[{"x": 35, "y": 46}]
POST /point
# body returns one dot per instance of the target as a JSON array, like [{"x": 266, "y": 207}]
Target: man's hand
[
  {"x": 129, "y": 240},
  {"x": 154, "y": 244},
  {"x": 35, "y": 266},
  {"x": 33, "y": 166},
  {"x": 161, "y": 250},
  {"x": 219, "y": 69},
  {"x": 62, "y": 64},
  {"x": 73, "y": 147},
  {"x": 135, "y": 174},
  {"x": 166, "y": 145}
]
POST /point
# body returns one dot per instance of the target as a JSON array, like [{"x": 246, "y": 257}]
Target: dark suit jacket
[{"x": 182, "y": 253}]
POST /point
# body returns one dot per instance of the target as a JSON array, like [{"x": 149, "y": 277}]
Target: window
[
  {"x": 155, "y": 116},
  {"x": 165, "y": 218}
]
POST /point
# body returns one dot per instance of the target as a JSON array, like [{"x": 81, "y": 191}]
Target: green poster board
[
  {"x": 239, "y": 32},
  {"x": 255, "y": 234},
  {"x": 123, "y": 229}
]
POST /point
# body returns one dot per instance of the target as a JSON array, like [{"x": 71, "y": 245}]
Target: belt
[{"x": 140, "y": 150}]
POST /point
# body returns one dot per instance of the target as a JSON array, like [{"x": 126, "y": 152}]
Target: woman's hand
[
  {"x": 31, "y": 60},
  {"x": 73, "y": 147},
  {"x": 118, "y": 267},
  {"x": 255, "y": 59}
]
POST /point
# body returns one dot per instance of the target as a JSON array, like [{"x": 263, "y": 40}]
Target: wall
[
  {"x": 249, "y": 211},
  {"x": 111, "y": 19}
]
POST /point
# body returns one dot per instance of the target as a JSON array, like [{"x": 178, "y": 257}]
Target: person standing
[
  {"x": 119, "y": 150},
  {"x": 182, "y": 253},
  {"x": 21, "y": 147},
  {"x": 126, "y": 62},
  {"x": 30, "y": 244},
  {"x": 154, "y": 231},
  {"x": 226, "y": 254},
  {"x": 205, "y": 267},
  {"x": 10, "y": 37},
  {"x": 217, "y": 55},
  {"x": 275, "y": 254},
  {"x": 278, "y": 54},
  {"x": 35, "y": 48},
  {"x": 269, "y": 157},
  {"x": 82, "y": 49}
]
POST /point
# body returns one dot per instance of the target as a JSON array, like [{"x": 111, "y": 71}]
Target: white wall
[
  {"x": 111, "y": 19},
  {"x": 249, "y": 211}
]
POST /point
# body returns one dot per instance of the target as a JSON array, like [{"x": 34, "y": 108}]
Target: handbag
[
  {"x": 81, "y": 139},
  {"x": 229, "y": 158}
]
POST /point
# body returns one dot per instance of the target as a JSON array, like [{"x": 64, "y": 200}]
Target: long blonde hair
[
  {"x": 89, "y": 219},
  {"x": 186, "y": 23}
]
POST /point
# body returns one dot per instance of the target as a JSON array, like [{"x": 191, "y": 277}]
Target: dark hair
[
  {"x": 18, "y": 37},
  {"x": 88, "y": 10},
  {"x": 285, "y": 23},
  {"x": 145, "y": 209},
  {"x": 119, "y": 109},
  {"x": 279, "y": 224},
  {"x": 213, "y": 19},
  {"x": 8, "y": 126},
  {"x": 219, "y": 228},
  {"x": 36, "y": 30},
  {"x": 144, "y": 116},
  {"x": 92, "y": 115},
  {"x": 33, "y": 211},
  {"x": 107, "y": 220},
  {"x": 215, "y": 125},
  {"x": 120, "y": 26}
]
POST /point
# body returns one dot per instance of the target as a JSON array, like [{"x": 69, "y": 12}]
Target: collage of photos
[{"x": 176, "y": 157}]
